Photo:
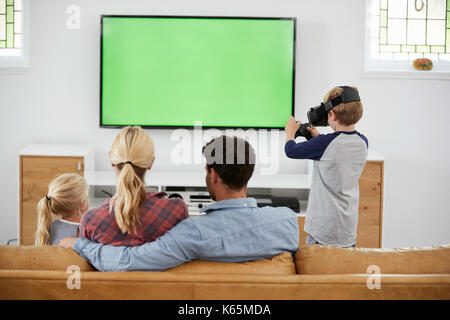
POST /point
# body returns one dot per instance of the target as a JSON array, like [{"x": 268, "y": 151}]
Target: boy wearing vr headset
[{"x": 339, "y": 158}]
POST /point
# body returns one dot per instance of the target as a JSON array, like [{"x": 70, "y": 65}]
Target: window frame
[
  {"x": 22, "y": 62},
  {"x": 396, "y": 69}
]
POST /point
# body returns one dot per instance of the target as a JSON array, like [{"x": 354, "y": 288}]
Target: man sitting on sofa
[{"x": 233, "y": 229}]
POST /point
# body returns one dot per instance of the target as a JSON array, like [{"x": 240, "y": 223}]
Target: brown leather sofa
[{"x": 315, "y": 272}]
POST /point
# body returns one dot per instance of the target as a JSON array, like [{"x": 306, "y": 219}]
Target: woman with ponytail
[
  {"x": 60, "y": 211},
  {"x": 132, "y": 216}
]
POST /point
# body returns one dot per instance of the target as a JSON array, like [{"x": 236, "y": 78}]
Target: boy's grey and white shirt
[{"x": 339, "y": 159}]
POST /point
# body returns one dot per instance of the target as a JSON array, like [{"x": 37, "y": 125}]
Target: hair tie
[
  {"x": 47, "y": 197},
  {"x": 129, "y": 162}
]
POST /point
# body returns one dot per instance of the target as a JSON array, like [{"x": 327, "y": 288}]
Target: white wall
[{"x": 405, "y": 120}]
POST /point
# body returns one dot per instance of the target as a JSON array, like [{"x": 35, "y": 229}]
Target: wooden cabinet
[
  {"x": 38, "y": 165},
  {"x": 36, "y": 172},
  {"x": 370, "y": 219}
]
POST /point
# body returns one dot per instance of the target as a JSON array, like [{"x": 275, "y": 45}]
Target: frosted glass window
[
  {"x": 400, "y": 56},
  {"x": 396, "y": 31},
  {"x": 437, "y": 49},
  {"x": 397, "y": 9},
  {"x": 436, "y": 32},
  {"x": 18, "y": 40},
  {"x": 2, "y": 27},
  {"x": 414, "y": 56},
  {"x": 18, "y": 20},
  {"x": 408, "y": 49},
  {"x": 10, "y": 27},
  {"x": 436, "y": 9},
  {"x": 413, "y": 13},
  {"x": 412, "y": 28},
  {"x": 383, "y": 36},
  {"x": 383, "y": 18},
  {"x": 9, "y": 14},
  {"x": 432, "y": 56},
  {"x": 416, "y": 32},
  {"x": 423, "y": 49},
  {"x": 386, "y": 56}
]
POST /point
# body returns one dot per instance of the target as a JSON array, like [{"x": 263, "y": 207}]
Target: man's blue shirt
[{"x": 233, "y": 230}]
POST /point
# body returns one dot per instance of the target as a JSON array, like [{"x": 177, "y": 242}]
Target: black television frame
[{"x": 293, "y": 19}]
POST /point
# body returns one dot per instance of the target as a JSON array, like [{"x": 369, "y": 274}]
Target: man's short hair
[
  {"x": 347, "y": 113},
  {"x": 232, "y": 158}
]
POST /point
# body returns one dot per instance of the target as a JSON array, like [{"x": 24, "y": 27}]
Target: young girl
[
  {"x": 132, "y": 216},
  {"x": 59, "y": 212}
]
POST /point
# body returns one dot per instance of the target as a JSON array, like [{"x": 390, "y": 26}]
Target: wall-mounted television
[{"x": 170, "y": 71}]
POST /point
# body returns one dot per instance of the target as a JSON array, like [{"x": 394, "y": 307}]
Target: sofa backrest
[
  {"x": 317, "y": 259},
  {"x": 59, "y": 258},
  {"x": 40, "y": 258},
  {"x": 282, "y": 264},
  {"x": 308, "y": 260}
]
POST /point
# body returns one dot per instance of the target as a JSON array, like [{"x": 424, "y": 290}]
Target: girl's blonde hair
[
  {"x": 132, "y": 152},
  {"x": 65, "y": 194}
]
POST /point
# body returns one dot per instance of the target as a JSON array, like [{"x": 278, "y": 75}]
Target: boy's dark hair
[{"x": 232, "y": 158}]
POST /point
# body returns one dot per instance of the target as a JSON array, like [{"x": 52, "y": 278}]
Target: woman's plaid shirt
[{"x": 157, "y": 216}]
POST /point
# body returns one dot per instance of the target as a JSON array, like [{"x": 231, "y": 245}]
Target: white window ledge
[
  {"x": 14, "y": 64},
  {"x": 401, "y": 70}
]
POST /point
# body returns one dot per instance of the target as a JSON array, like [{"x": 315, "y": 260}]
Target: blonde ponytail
[
  {"x": 132, "y": 152},
  {"x": 45, "y": 218},
  {"x": 129, "y": 197},
  {"x": 65, "y": 194}
]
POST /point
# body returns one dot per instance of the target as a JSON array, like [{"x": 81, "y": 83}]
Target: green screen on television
[{"x": 172, "y": 71}]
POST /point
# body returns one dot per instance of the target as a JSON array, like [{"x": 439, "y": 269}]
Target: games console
[{"x": 195, "y": 200}]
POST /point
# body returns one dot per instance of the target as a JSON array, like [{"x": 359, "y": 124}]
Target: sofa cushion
[
  {"x": 59, "y": 258},
  {"x": 317, "y": 259},
  {"x": 281, "y": 264},
  {"x": 40, "y": 258}
]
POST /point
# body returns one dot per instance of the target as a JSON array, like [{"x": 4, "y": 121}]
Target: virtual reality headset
[{"x": 318, "y": 116}]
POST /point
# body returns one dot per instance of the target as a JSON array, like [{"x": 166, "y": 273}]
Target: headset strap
[{"x": 348, "y": 95}]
